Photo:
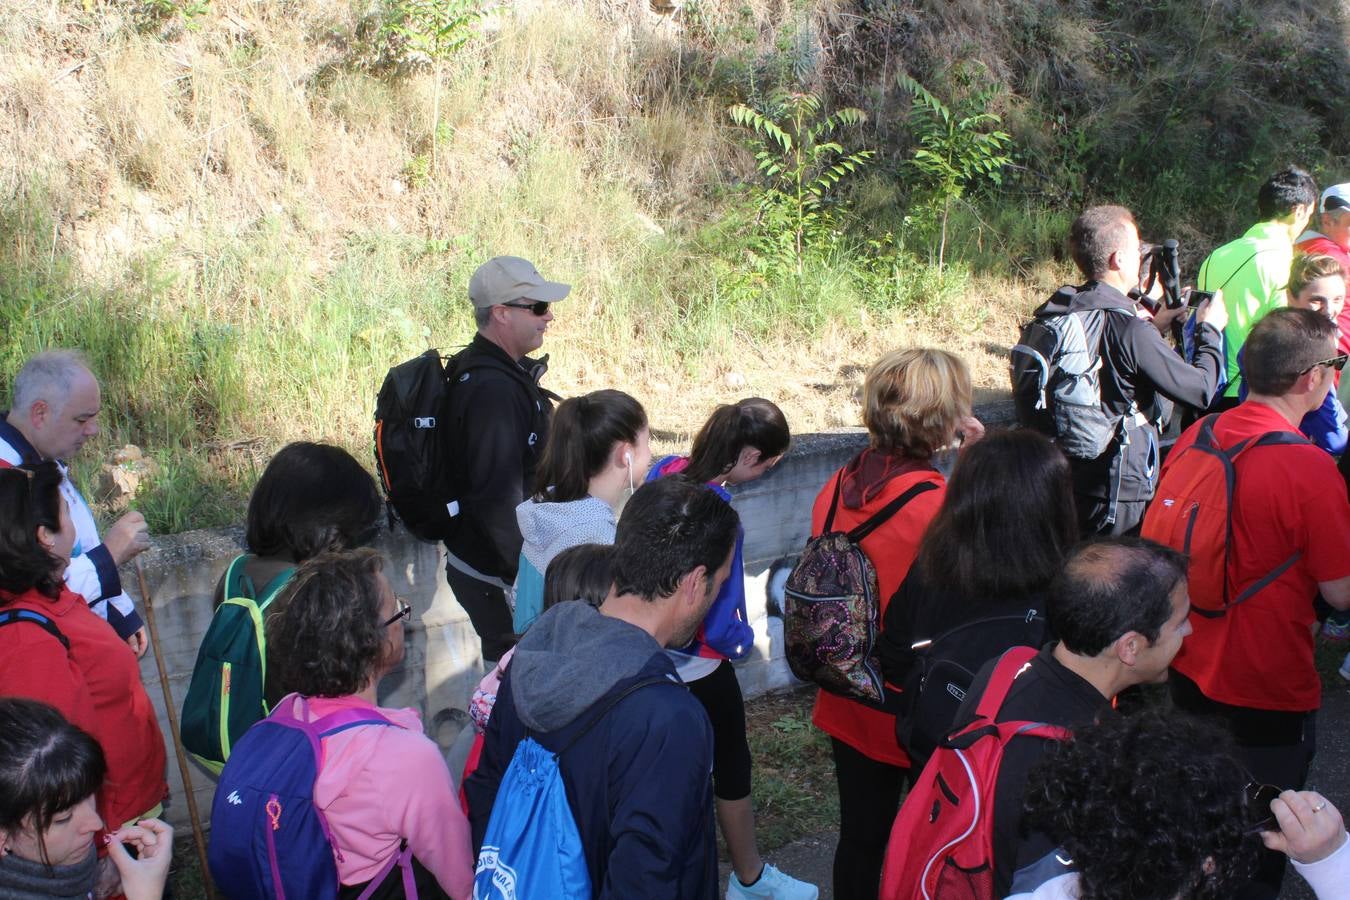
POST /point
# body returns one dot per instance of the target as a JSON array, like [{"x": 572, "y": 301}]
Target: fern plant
[
  {"x": 801, "y": 164},
  {"x": 435, "y": 30},
  {"x": 956, "y": 150}
]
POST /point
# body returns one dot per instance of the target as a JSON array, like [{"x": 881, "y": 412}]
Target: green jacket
[{"x": 1252, "y": 272}]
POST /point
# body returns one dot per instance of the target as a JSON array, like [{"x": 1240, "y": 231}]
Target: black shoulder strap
[
  {"x": 858, "y": 534},
  {"x": 12, "y": 616},
  {"x": 834, "y": 503},
  {"x": 605, "y": 709}
]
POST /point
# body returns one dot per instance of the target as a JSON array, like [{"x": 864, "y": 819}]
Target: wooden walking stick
[{"x": 172, "y": 709}]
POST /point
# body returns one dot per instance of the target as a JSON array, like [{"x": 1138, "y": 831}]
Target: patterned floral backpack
[{"x": 832, "y": 607}]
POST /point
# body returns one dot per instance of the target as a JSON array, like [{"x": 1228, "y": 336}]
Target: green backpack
[{"x": 225, "y": 696}]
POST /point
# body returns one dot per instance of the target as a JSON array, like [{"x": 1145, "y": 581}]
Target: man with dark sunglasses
[
  {"x": 1250, "y": 662},
  {"x": 499, "y": 418}
]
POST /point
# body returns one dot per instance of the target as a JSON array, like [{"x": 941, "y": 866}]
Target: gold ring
[{"x": 1319, "y": 807}]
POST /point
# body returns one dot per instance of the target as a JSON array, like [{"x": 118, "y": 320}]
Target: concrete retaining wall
[{"x": 442, "y": 665}]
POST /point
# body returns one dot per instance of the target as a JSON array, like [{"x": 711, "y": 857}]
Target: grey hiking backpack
[{"x": 1055, "y": 370}]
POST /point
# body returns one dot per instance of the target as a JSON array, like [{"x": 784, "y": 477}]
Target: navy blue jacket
[{"x": 638, "y": 782}]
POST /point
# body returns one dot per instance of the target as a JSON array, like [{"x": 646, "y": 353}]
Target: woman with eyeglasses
[
  {"x": 50, "y": 776},
  {"x": 915, "y": 403},
  {"x": 332, "y": 634},
  {"x": 53, "y": 648}
]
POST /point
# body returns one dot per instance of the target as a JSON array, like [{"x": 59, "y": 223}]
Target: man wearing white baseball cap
[{"x": 499, "y": 418}]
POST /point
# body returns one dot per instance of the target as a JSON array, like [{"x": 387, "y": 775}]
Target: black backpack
[
  {"x": 945, "y": 671},
  {"x": 411, "y": 443},
  {"x": 415, "y": 443}
]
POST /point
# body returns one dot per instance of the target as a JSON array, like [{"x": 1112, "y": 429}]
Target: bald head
[
  {"x": 1113, "y": 586},
  {"x": 56, "y": 403}
]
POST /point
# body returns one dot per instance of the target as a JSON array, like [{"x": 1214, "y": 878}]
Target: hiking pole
[{"x": 171, "y": 709}]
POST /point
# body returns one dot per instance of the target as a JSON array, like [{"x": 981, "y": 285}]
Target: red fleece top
[
  {"x": 871, "y": 481},
  {"x": 1259, "y": 655},
  {"x": 97, "y": 686}
]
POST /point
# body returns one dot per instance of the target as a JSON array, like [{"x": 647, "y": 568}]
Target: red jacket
[
  {"x": 871, "y": 480},
  {"x": 97, "y": 686}
]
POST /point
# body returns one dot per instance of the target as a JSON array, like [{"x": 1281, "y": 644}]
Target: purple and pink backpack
[{"x": 268, "y": 839}]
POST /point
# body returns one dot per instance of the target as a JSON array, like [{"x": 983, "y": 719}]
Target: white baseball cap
[{"x": 505, "y": 279}]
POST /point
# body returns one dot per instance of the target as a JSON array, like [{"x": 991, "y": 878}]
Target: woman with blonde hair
[{"x": 916, "y": 403}]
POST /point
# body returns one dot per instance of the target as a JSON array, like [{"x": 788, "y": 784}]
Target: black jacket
[
  {"x": 499, "y": 421},
  {"x": 1046, "y": 692},
  {"x": 1139, "y": 371}
]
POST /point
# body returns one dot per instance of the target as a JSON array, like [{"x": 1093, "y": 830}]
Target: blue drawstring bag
[{"x": 532, "y": 847}]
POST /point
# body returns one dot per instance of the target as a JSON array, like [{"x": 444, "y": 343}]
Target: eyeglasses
[
  {"x": 1336, "y": 362},
  {"x": 404, "y": 612},
  {"x": 1259, "y": 816},
  {"x": 539, "y": 308}
]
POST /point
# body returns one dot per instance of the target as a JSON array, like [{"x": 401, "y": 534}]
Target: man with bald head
[
  {"x": 1120, "y": 611},
  {"x": 55, "y": 410}
]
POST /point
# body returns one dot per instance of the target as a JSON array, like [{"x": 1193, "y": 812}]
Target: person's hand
[
  {"x": 138, "y": 642},
  {"x": 143, "y": 878},
  {"x": 1311, "y": 829},
  {"x": 127, "y": 537},
  {"x": 1213, "y": 312},
  {"x": 969, "y": 429},
  {"x": 1166, "y": 315}
]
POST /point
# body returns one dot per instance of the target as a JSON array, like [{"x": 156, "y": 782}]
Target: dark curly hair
[
  {"x": 324, "y": 634},
  {"x": 30, "y": 496},
  {"x": 311, "y": 498},
  {"x": 1150, "y": 807}
]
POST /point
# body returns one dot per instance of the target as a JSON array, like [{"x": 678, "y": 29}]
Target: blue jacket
[
  {"x": 725, "y": 632},
  {"x": 638, "y": 782}
]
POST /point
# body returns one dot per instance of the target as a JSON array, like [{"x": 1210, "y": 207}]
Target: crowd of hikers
[{"x": 990, "y": 646}]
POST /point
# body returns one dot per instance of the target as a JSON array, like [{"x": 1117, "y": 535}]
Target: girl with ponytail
[
  {"x": 739, "y": 443},
  {"x": 597, "y": 451}
]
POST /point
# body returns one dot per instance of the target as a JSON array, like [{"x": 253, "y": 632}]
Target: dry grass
[{"x": 252, "y": 202}]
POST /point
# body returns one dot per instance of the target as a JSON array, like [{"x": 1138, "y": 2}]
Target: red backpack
[
  {"x": 1193, "y": 512},
  {"x": 942, "y": 843}
]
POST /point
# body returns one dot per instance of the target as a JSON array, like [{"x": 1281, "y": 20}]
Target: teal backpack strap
[
  {"x": 273, "y": 587},
  {"x": 236, "y": 582}
]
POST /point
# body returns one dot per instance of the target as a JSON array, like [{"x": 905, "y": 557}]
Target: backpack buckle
[{"x": 424, "y": 422}]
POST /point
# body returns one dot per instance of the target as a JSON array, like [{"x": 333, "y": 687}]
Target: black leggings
[
  {"x": 869, "y": 798},
  {"x": 720, "y": 694}
]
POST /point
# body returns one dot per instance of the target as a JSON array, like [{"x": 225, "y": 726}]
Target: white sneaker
[
  {"x": 771, "y": 883},
  {"x": 1344, "y": 673}
]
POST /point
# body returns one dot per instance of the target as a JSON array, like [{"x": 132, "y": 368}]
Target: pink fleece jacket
[{"x": 379, "y": 785}]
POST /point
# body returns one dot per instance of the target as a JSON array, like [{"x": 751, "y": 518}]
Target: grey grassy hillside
[{"x": 247, "y": 211}]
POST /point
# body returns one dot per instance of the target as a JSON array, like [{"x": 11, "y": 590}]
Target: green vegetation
[
  {"x": 794, "y": 792},
  {"x": 802, "y": 166},
  {"x": 955, "y": 152},
  {"x": 246, "y": 212}
]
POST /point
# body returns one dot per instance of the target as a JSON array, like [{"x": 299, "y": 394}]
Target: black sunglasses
[
  {"x": 404, "y": 612},
  {"x": 539, "y": 307},
  {"x": 1336, "y": 362}
]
